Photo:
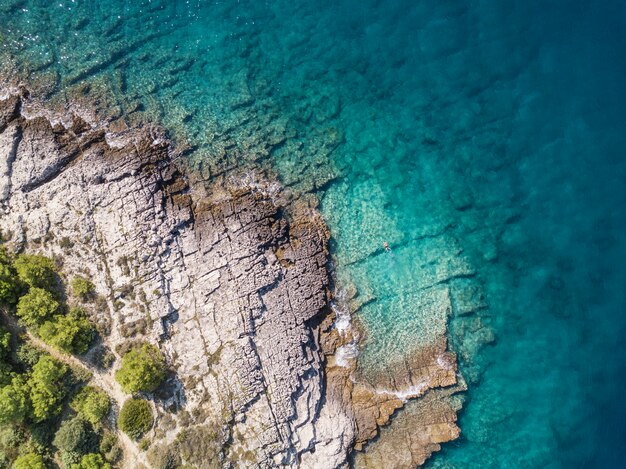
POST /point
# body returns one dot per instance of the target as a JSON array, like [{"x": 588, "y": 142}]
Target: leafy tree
[
  {"x": 15, "y": 400},
  {"x": 92, "y": 461},
  {"x": 11, "y": 438},
  {"x": 70, "y": 459},
  {"x": 83, "y": 288},
  {"x": 36, "y": 271},
  {"x": 75, "y": 436},
  {"x": 8, "y": 284},
  {"x": 5, "y": 343},
  {"x": 36, "y": 306},
  {"x": 5, "y": 257},
  {"x": 135, "y": 418},
  {"x": 92, "y": 404},
  {"x": 27, "y": 355},
  {"x": 143, "y": 369},
  {"x": 46, "y": 388},
  {"x": 5, "y": 349},
  {"x": 71, "y": 333},
  {"x": 29, "y": 461},
  {"x": 41, "y": 436}
]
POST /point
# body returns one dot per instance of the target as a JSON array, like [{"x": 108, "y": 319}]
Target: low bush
[
  {"x": 201, "y": 446},
  {"x": 103, "y": 358},
  {"x": 110, "y": 448},
  {"x": 143, "y": 369},
  {"x": 164, "y": 457},
  {"x": 92, "y": 404},
  {"x": 135, "y": 418},
  {"x": 92, "y": 461},
  {"x": 27, "y": 355},
  {"x": 83, "y": 289}
]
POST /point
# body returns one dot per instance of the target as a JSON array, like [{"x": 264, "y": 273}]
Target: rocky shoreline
[{"x": 229, "y": 277}]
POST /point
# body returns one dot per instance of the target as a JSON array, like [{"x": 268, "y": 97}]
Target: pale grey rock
[{"x": 231, "y": 284}]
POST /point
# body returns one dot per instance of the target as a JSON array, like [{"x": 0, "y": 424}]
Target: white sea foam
[
  {"x": 411, "y": 392},
  {"x": 345, "y": 353},
  {"x": 343, "y": 318}
]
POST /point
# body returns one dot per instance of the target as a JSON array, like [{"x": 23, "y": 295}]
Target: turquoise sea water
[{"x": 484, "y": 140}]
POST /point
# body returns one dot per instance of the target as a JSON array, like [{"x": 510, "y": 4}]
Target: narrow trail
[{"x": 105, "y": 381}]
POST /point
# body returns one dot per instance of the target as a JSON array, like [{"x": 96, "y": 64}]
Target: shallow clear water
[{"x": 483, "y": 140}]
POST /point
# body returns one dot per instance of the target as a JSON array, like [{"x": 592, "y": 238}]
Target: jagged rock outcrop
[{"x": 229, "y": 282}]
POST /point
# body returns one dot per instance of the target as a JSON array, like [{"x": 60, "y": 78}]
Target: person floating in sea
[{"x": 386, "y": 246}]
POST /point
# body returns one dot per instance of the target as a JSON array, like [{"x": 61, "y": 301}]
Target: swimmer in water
[{"x": 386, "y": 246}]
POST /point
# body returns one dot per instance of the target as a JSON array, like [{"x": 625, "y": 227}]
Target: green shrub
[
  {"x": 135, "y": 418},
  {"x": 143, "y": 369},
  {"x": 29, "y": 461},
  {"x": 36, "y": 306},
  {"x": 41, "y": 436},
  {"x": 5, "y": 350},
  {"x": 71, "y": 333},
  {"x": 92, "y": 404},
  {"x": 27, "y": 355},
  {"x": 8, "y": 285},
  {"x": 75, "y": 436},
  {"x": 83, "y": 289},
  {"x": 47, "y": 389},
  {"x": 110, "y": 448},
  {"x": 103, "y": 358},
  {"x": 70, "y": 459},
  {"x": 92, "y": 461},
  {"x": 11, "y": 439},
  {"x": 36, "y": 271},
  {"x": 144, "y": 444},
  {"x": 15, "y": 400}
]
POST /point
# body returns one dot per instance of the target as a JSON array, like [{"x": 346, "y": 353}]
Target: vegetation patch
[
  {"x": 29, "y": 461},
  {"x": 36, "y": 306},
  {"x": 83, "y": 289},
  {"x": 71, "y": 332},
  {"x": 36, "y": 271},
  {"x": 135, "y": 418},
  {"x": 75, "y": 438},
  {"x": 134, "y": 328},
  {"x": 143, "y": 369},
  {"x": 110, "y": 448},
  {"x": 92, "y": 404},
  {"x": 35, "y": 388}
]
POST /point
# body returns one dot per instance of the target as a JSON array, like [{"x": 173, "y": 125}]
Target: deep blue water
[{"x": 484, "y": 140}]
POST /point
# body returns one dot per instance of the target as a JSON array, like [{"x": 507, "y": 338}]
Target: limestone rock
[{"x": 229, "y": 283}]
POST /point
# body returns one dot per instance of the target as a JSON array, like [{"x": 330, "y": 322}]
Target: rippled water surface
[{"x": 483, "y": 140}]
